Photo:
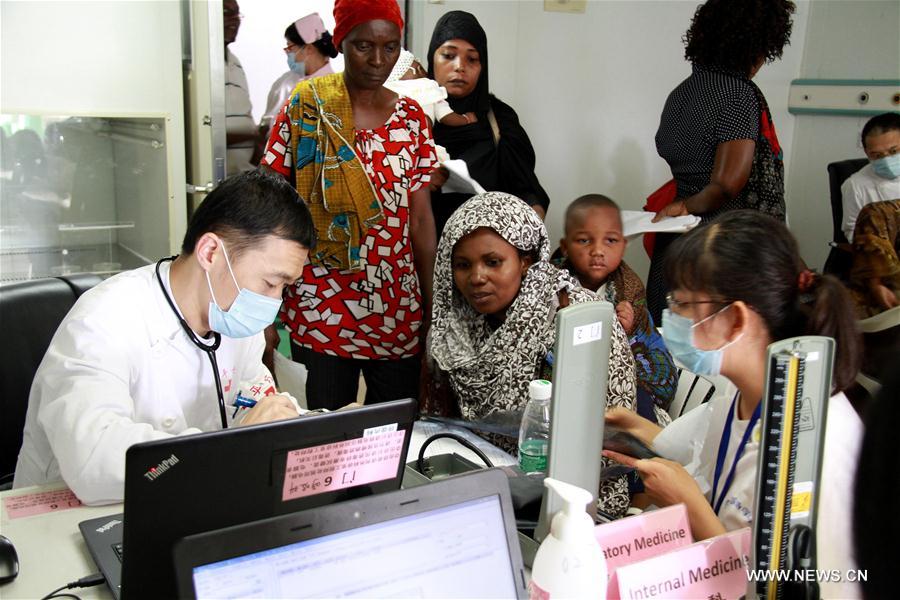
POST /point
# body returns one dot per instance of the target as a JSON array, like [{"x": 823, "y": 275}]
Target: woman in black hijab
[{"x": 496, "y": 149}]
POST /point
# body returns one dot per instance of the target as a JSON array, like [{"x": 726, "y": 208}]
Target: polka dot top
[{"x": 708, "y": 108}]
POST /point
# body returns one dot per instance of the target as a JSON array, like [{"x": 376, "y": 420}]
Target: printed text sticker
[
  {"x": 341, "y": 465},
  {"x": 29, "y": 505}
]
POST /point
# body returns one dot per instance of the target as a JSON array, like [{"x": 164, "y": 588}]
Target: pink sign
[
  {"x": 536, "y": 593},
  {"x": 341, "y": 465},
  {"x": 640, "y": 537},
  {"x": 643, "y": 536},
  {"x": 713, "y": 568},
  {"x": 28, "y": 505}
]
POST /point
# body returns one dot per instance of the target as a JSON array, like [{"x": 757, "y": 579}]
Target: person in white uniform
[
  {"x": 739, "y": 284},
  {"x": 879, "y": 180},
  {"x": 133, "y": 360},
  {"x": 241, "y": 132},
  {"x": 309, "y": 52}
]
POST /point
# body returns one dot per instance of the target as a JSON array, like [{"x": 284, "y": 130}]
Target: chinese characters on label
[{"x": 330, "y": 467}]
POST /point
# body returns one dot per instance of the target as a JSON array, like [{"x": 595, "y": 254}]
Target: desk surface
[{"x": 52, "y": 552}]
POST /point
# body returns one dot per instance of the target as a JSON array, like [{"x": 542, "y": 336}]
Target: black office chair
[
  {"x": 31, "y": 312},
  {"x": 840, "y": 258}
]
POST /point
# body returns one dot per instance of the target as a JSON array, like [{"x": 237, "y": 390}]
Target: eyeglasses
[
  {"x": 673, "y": 303},
  {"x": 291, "y": 48}
]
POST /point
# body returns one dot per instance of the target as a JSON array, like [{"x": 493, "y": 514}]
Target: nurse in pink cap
[{"x": 309, "y": 51}]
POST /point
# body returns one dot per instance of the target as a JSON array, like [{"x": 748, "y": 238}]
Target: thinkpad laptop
[
  {"x": 454, "y": 538},
  {"x": 191, "y": 484}
]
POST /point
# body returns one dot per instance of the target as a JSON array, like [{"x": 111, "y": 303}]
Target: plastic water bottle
[{"x": 534, "y": 433}]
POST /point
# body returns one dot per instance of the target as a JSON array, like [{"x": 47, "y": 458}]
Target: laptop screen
[{"x": 456, "y": 551}]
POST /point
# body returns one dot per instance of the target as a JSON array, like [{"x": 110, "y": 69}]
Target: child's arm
[
  {"x": 453, "y": 119},
  {"x": 625, "y": 314}
]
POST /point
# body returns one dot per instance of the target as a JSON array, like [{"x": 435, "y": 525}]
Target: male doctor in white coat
[{"x": 124, "y": 367}]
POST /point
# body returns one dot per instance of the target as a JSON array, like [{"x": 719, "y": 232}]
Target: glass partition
[{"x": 81, "y": 195}]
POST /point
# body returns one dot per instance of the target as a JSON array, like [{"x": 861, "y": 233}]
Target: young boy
[{"x": 592, "y": 252}]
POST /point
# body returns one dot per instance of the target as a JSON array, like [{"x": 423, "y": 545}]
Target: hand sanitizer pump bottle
[{"x": 570, "y": 562}]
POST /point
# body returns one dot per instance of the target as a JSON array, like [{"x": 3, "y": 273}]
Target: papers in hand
[
  {"x": 459, "y": 180},
  {"x": 636, "y": 222}
]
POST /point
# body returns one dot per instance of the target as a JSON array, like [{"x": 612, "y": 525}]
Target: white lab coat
[
  {"x": 693, "y": 440},
  {"x": 862, "y": 188},
  {"x": 120, "y": 370}
]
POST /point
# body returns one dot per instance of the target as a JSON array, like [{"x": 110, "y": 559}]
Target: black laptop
[
  {"x": 191, "y": 484},
  {"x": 454, "y": 538}
]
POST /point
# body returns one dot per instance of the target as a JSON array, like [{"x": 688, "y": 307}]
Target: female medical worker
[
  {"x": 309, "y": 52},
  {"x": 739, "y": 284},
  {"x": 131, "y": 361}
]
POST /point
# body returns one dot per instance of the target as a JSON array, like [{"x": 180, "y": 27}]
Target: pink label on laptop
[
  {"x": 640, "y": 537},
  {"x": 371, "y": 458},
  {"x": 28, "y": 505},
  {"x": 713, "y": 568}
]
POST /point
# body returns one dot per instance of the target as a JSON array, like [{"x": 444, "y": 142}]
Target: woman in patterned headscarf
[{"x": 495, "y": 298}]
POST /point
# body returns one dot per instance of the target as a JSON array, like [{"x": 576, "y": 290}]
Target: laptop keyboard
[{"x": 117, "y": 548}]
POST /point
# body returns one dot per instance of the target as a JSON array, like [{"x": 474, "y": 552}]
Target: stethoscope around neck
[{"x": 208, "y": 348}]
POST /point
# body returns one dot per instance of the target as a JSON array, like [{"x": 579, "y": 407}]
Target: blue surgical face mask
[
  {"x": 887, "y": 167},
  {"x": 249, "y": 314},
  {"x": 297, "y": 67},
  {"x": 678, "y": 334}
]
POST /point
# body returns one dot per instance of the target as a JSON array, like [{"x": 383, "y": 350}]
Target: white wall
[
  {"x": 846, "y": 39},
  {"x": 91, "y": 57},
  {"x": 260, "y": 42},
  {"x": 589, "y": 89}
]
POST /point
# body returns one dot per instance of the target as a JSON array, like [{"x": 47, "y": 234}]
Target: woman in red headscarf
[{"x": 361, "y": 157}]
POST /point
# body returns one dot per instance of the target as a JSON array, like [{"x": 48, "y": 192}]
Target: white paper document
[
  {"x": 459, "y": 180},
  {"x": 636, "y": 222}
]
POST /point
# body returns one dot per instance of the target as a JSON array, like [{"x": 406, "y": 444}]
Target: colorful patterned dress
[{"x": 374, "y": 312}]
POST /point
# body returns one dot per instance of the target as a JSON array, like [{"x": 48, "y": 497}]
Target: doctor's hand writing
[{"x": 270, "y": 408}]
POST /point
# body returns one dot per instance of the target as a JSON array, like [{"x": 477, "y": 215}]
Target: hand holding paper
[
  {"x": 459, "y": 179},
  {"x": 636, "y": 222}
]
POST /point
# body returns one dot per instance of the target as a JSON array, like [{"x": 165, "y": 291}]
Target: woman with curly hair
[{"x": 716, "y": 131}]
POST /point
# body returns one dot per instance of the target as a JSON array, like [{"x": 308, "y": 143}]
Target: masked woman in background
[{"x": 309, "y": 51}]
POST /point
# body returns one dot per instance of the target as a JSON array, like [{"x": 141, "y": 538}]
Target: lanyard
[
  {"x": 209, "y": 349},
  {"x": 723, "y": 449}
]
